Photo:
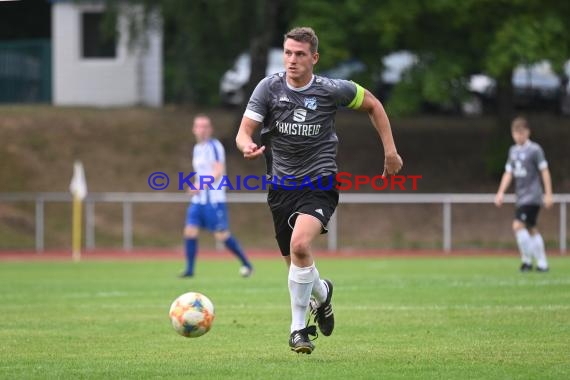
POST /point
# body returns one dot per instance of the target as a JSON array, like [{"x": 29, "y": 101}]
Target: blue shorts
[{"x": 213, "y": 217}]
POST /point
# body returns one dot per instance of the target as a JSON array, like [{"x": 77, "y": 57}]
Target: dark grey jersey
[
  {"x": 299, "y": 123},
  {"x": 525, "y": 163}
]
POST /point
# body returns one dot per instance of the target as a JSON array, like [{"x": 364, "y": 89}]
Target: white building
[{"x": 91, "y": 70}]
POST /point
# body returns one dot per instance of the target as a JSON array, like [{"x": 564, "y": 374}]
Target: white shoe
[{"x": 245, "y": 271}]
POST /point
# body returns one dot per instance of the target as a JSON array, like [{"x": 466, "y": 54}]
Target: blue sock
[
  {"x": 191, "y": 246},
  {"x": 233, "y": 245}
]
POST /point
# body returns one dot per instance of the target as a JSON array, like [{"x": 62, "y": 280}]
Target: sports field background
[
  {"x": 404, "y": 309},
  {"x": 397, "y": 318},
  {"x": 120, "y": 147}
]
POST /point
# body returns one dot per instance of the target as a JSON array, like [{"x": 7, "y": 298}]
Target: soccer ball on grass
[{"x": 192, "y": 314}]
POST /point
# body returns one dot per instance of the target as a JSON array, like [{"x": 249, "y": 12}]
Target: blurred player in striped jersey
[
  {"x": 207, "y": 209},
  {"x": 527, "y": 165}
]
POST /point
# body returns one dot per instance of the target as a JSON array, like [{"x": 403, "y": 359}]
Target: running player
[
  {"x": 207, "y": 209},
  {"x": 527, "y": 164},
  {"x": 297, "y": 110}
]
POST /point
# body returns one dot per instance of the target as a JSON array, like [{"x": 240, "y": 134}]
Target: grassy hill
[{"x": 121, "y": 147}]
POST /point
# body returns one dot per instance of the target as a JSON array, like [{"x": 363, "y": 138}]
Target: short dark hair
[
  {"x": 520, "y": 123},
  {"x": 304, "y": 34},
  {"x": 203, "y": 116}
]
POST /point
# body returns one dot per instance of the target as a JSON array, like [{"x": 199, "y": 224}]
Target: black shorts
[
  {"x": 286, "y": 205},
  {"x": 527, "y": 214}
]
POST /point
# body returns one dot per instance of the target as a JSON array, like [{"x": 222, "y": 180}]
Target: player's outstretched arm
[
  {"x": 392, "y": 160},
  {"x": 504, "y": 185},
  {"x": 244, "y": 139},
  {"x": 547, "y": 181}
]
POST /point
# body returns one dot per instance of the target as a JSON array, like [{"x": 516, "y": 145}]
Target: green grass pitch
[{"x": 396, "y": 318}]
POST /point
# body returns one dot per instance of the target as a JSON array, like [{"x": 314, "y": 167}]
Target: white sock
[
  {"x": 525, "y": 245},
  {"x": 300, "y": 287},
  {"x": 539, "y": 250},
  {"x": 320, "y": 290}
]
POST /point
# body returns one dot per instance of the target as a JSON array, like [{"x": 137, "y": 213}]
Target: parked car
[
  {"x": 535, "y": 86},
  {"x": 395, "y": 65},
  {"x": 346, "y": 69},
  {"x": 233, "y": 82}
]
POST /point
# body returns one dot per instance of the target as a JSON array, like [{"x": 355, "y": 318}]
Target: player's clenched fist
[
  {"x": 392, "y": 164},
  {"x": 252, "y": 151}
]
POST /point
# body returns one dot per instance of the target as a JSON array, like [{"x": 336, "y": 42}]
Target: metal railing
[{"x": 127, "y": 200}]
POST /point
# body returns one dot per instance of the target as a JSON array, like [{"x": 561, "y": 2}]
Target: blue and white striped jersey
[{"x": 205, "y": 155}]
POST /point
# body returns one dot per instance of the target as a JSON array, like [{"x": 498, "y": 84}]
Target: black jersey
[{"x": 299, "y": 124}]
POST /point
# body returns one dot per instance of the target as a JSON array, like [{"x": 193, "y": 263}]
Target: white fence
[{"x": 127, "y": 200}]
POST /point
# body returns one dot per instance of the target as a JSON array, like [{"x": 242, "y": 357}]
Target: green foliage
[
  {"x": 431, "y": 81},
  {"x": 338, "y": 25},
  {"x": 496, "y": 155},
  {"x": 527, "y": 39},
  {"x": 406, "y": 97},
  {"x": 452, "y": 39},
  {"x": 201, "y": 40}
]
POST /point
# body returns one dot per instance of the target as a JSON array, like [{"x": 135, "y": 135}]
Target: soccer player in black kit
[{"x": 297, "y": 110}]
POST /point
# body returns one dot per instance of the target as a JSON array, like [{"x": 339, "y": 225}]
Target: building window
[{"x": 99, "y": 41}]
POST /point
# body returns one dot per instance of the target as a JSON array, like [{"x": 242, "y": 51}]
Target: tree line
[{"x": 451, "y": 39}]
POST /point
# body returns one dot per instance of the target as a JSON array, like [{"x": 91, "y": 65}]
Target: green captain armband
[{"x": 358, "y": 98}]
